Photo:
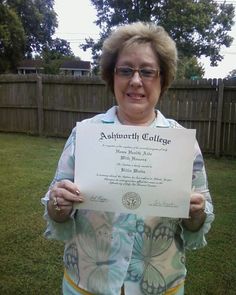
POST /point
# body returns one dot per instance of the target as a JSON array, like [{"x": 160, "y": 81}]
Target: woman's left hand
[
  {"x": 197, "y": 213},
  {"x": 197, "y": 205}
]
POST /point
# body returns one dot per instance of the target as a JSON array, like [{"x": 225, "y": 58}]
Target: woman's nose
[{"x": 136, "y": 79}]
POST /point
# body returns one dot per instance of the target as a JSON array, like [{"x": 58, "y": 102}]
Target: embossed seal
[{"x": 131, "y": 200}]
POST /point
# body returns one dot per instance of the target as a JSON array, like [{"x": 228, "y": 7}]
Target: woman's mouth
[{"x": 135, "y": 95}]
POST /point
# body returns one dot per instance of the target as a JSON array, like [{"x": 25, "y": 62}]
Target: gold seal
[{"x": 131, "y": 200}]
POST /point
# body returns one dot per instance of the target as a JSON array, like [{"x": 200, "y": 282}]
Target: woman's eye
[
  {"x": 148, "y": 72},
  {"x": 126, "y": 71}
]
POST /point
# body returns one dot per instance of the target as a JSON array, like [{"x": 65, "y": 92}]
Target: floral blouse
[{"x": 104, "y": 250}]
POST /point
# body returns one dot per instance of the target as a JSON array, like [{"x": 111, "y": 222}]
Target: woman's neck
[{"x": 144, "y": 121}]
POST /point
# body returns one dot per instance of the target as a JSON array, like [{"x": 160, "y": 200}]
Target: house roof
[
  {"x": 75, "y": 64},
  {"x": 66, "y": 64},
  {"x": 30, "y": 63}
]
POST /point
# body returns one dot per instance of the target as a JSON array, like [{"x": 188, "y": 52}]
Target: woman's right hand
[{"x": 61, "y": 199}]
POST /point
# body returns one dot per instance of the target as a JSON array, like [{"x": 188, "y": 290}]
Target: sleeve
[
  {"x": 65, "y": 170},
  {"x": 195, "y": 240}
]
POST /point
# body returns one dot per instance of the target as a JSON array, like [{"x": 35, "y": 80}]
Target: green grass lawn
[{"x": 32, "y": 265}]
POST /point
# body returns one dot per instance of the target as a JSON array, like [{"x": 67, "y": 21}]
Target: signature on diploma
[
  {"x": 165, "y": 204},
  {"x": 96, "y": 198}
]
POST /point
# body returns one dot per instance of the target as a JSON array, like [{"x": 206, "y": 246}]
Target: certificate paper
[{"x": 129, "y": 169}]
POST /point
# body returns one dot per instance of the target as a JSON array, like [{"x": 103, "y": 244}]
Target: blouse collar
[{"x": 110, "y": 117}]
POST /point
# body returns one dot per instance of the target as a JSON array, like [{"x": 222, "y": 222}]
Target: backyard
[{"x": 32, "y": 265}]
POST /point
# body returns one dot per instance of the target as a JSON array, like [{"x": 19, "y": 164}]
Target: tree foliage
[
  {"x": 199, "y": 27},
  {"x": 54, "y": 55},
  {"x": 59, "y": 48},
  {"x": 26, "y": 30},
  {"x": 39, "y": 22},
  {"x": 12, "y": 39},
  {"x": 231, "y": 75},
  {"x": 190, "y": 68}
]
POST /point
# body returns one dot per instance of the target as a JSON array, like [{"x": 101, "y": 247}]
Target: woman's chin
[{"x": 135, "y": 107}]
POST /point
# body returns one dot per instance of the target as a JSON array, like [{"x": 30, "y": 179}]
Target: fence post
[
  {"x": 219, "y": 117},
  {"x": 39, "y": 95}
]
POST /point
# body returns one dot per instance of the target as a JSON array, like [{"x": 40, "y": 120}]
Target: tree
[
  {"x": 12, "y": 39},
  {"x": 190, "y": 68},
  {"x": 59, "y": 48},
  {"x": 54, "y": 55},
  {"x": 38, "y": 20},
  {"x": 199, "y": 27},
  {"x": 26, "y": 30},
  {"x": 231, "y": 75}
]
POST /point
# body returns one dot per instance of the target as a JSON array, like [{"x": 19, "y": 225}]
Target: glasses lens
[
  {"x": 129, "y": 72},
  {"x": 124, "y": 71},
  {"x": 148, "y": 73}
]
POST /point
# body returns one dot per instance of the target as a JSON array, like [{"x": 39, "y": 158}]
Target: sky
[{"x": 76, "y": 22}]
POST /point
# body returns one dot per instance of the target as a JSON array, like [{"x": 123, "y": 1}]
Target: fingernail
[{"x": 77, "y": 192}]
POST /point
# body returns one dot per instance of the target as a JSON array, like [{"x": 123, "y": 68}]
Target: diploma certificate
[{"x": 131, "y": 169}]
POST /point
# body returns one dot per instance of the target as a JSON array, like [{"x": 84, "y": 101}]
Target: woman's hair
[{"x": 140, "y": 33}]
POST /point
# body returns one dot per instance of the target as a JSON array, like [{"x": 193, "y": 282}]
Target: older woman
[{"x": 107, "y": 252}]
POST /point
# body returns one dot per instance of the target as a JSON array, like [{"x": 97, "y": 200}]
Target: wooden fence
[{"x": 51, "y": 105}]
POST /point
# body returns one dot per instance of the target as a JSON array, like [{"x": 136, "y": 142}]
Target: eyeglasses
[{"x": 128, "y": 72}]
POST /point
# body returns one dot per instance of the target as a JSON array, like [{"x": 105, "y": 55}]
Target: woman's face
[{"x": 137, "y": 96}]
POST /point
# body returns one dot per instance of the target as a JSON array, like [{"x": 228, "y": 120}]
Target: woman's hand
[
  {"x": 197, "y": 214},
  {"x": 61, "y": 198}
]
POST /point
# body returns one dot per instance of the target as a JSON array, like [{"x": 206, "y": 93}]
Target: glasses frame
[{"x": 156, "y": 72}]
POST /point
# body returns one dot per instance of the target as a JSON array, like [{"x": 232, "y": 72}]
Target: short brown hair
[{"x": 136, "y": 33}]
